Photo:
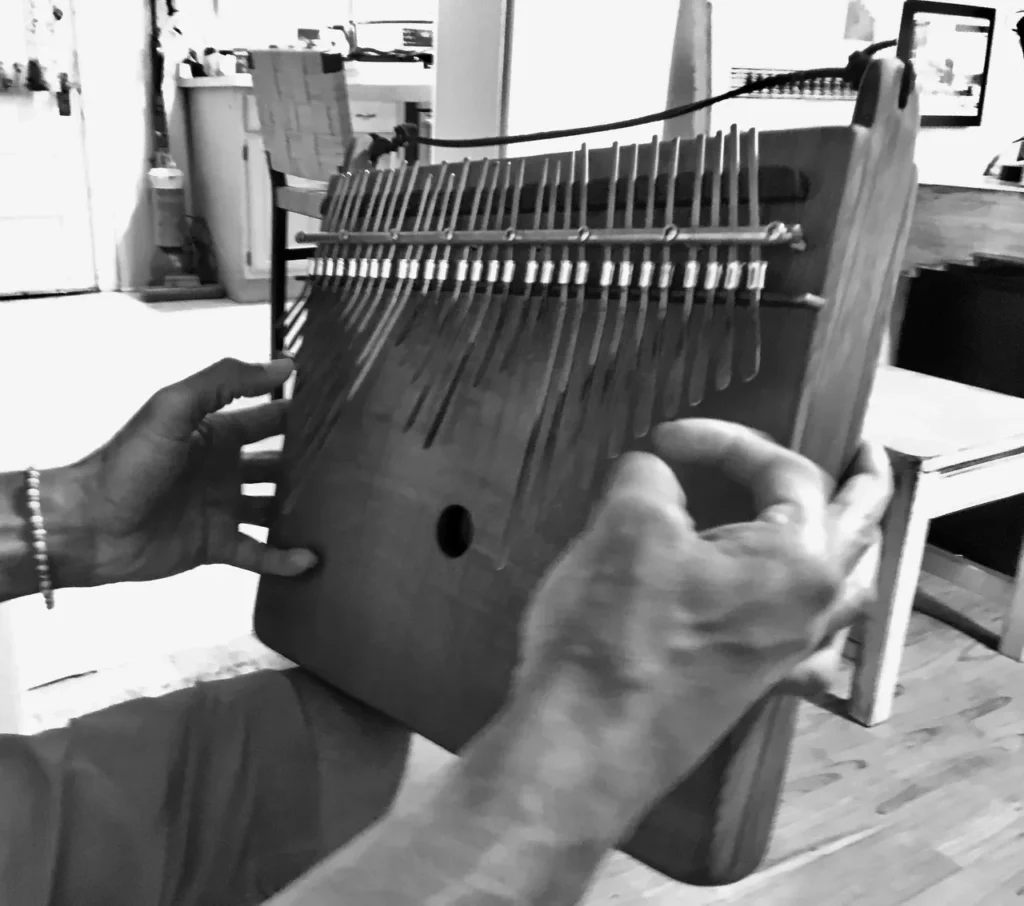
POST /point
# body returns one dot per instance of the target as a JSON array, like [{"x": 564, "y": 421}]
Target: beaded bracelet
[{"x": 39, "y": 549}]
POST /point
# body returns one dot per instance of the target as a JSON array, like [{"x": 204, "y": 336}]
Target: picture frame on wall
[{"x": 950, "y": 45}]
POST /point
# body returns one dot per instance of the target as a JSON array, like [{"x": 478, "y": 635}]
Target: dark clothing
[{"x": 210, "y": 796}]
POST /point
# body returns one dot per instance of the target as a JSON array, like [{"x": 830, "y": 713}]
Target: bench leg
[
  {"x": 884, "y": 633},
  {"x": 1012, "y": 641}
]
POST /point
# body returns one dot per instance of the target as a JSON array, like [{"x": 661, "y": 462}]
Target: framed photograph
[{"x": 950, "y": 45}]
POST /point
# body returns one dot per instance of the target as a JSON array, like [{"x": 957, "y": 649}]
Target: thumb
[{"x": 179, "y": 408}]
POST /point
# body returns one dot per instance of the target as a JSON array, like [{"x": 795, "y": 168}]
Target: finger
[
  {"x": 251, "y": 555},
  {"x": 786, "y": 486},
  {"x": 857, "y": 594},
  {"x": 261, "y": 467},
  {"x": 642, "y": 476},
  {"x": 820, "y": 671},
  {"x": 247, "y": 426},
  {"x": 256, "y": 509},
  {"x": 860, "y": 504},
  {"x": 177, "y": 410}
]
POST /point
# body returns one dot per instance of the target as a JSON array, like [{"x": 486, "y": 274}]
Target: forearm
[
  {"x": 524, "y": 817},
  {"x": 66, "y": 533}
]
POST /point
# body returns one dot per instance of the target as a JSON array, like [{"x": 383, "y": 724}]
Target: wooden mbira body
[{"x": 453, "y": 424}]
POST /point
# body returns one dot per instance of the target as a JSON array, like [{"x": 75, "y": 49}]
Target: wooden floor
[{"x": 924, "y": 810}]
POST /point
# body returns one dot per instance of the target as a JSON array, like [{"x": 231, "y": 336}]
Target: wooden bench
[{"x": 952, "y": 447}]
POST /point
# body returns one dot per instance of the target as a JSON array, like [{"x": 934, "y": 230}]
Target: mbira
[{"x": 479, "y": 341}]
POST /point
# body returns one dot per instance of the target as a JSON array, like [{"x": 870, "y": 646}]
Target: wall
[
  {"x": 581, "y": 62},
  {"x": 114, "y": 75}
]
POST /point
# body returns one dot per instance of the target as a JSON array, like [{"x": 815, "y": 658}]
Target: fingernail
[
  {"x": 302, "y": 559},
  {"x": 279, "y": 368}
]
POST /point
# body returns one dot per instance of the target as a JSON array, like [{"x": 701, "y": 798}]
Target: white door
[{"x": 45, "y": 233}]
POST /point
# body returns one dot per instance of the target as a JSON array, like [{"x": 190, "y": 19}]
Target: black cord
[{"x": 852, "y": 74}]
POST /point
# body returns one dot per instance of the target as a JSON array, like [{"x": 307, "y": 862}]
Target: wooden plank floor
[{"x": 925, "y": 809}]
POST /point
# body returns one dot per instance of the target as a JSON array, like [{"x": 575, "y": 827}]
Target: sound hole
[{"x": 454, "y": 531}]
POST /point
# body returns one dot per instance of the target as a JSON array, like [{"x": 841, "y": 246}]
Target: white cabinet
[
  {"x": 231, "y": 179},
  {"x": 257, "y": 215},
  {"x": 231, "y": 186}
]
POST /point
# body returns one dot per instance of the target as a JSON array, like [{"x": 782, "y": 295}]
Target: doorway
[{"x": 46, "y": 242}]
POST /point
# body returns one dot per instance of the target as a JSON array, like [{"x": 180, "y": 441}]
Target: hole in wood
[{"x": 454, "y": 531}]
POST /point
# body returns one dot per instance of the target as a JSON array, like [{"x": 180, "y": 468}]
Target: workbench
[{"x": 952, "y": 447}]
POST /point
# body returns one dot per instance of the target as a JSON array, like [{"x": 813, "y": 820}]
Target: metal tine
[
  {"x": 712, "y": 279},
  {"x": 462, "y": 315},
  {"x": 319, "y": 371},
  {"x": 508, "y": 274},
  {"x": 468, "y": 273},
  {"x": 530, "y": 274},
  {"x": 436, "y": 347},
  {"x": 610, "y": 390},
  {"x": 495, "y": 273},
  {"x": 607, "y": 278},
  {"x": 445, "y": 183},
  {"x": 400, "y": 298},
  {"x": 364, "y": 313},
  {"x": 681, "y": 348},
  {"x": 439, "y": 307},
  {"x": 371, "y": 222},
  {"x": 565, "y": 279},
  {"x": 524, "y": 480},
  {"x": 733, "y": 269},
  {"x": 372, "y": 282},
  {"x": 756, "y": 267},
  {"x": 337, "y": 388},
  {"x": 639, "y": 372},
  {"x": 319, "y": 265},
  {"x": 555, "y": 433},
  {"x": 666, "y": 275}
]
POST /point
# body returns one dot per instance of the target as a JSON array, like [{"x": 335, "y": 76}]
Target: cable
[{"x": 852, "y": 73}]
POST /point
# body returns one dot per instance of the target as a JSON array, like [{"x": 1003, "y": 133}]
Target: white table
[{"x": 952, "y": 447}]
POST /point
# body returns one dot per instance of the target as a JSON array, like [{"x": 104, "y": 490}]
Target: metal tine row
[
  {"x": 436, "y": 322},
  {"x": 369, "y": 290},
  {"x": 478, "y": 339},
  {"x": 530, "y": 467},
  {"x": 470, "y": 273},
  {"x": 294, "y": 317},
  {"x": 319, "y": 372}
]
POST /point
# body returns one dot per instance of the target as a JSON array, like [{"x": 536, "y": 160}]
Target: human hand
[
  {"x": 165, "y": 494},
  {"x": 665, "y": 636}
]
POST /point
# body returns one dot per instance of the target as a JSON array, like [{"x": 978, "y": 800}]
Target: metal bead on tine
[
  {"x": 712, "y": 280},
  {"x": 733, "y": 268},
  {"x": 755, "y": 267}
]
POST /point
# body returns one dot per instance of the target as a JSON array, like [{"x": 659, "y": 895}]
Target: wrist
[
  {"x": 69, "y": 539},
  {"x": 553, "y": 761}
]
